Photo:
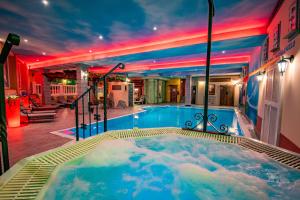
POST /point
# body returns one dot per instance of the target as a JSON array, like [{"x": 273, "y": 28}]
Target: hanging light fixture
[
  {"x": 283, "y": 64},
  {"x": 260, "y": 76}
]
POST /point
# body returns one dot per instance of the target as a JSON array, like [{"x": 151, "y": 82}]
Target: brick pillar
[
  {"x": 82, "y": 86},
  {"x": 188, "y": 90},
  {"x": 46, "y": 90}
]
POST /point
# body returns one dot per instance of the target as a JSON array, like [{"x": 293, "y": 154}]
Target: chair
[
  {"x": 141, "y": 100},
  {"x": 40, "y": 116},
  {"x": 38, "y": 107}
]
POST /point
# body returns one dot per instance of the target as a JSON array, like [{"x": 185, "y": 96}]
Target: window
[
  {"x": 116, "y": 87},
  {"x": 293, "y": 17},
  {"x": 265, "y": 51},
  {"x": 276, "y": 38},
  {"x": 294, "y": 22}
]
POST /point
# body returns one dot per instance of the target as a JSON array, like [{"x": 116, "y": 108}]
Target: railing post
[
  {"x": 97, "y": 106},
  {"x": 104, "y": 105},
  {"x": 11, "y": 40},
  {"x": 83, "y": 115},
  {"x": 3, "y": 129},
  {"x": 208, "y": 53},
  {"x": 90, "y": 110},
  {"x": 77, "y": 121}
]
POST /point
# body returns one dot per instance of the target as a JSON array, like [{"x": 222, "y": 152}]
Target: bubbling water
[{"x": 173, "y": 167}]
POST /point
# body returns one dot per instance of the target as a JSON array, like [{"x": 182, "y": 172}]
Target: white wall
[
  {"x": 290, "y": 101},
  {"x": 119, "y": 94},
  {"x": 290, "y": 118},
  {"x": 201, "y": 88}
]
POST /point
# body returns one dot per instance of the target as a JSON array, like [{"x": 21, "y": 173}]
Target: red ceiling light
[
  {"x": 177, "y": 64},
  {"x": 159, "y": 44}
]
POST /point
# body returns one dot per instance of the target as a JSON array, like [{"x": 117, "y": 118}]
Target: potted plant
[{"x": 12, "y": 104}]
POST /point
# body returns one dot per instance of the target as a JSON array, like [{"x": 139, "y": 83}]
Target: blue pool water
[
  {"x": 173, "y": 167},
  {"x": 164, "y": 116}
]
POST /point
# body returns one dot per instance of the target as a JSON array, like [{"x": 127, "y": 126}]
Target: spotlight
[
  {"x": 45, "y": 2},
  {"x": 155, "y": 28}
]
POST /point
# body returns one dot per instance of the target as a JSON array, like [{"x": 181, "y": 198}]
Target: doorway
[
  {"x": 173, "y": 93},
  {"x": 226, "y": 95},
  {"x": 194, "y": 89}
]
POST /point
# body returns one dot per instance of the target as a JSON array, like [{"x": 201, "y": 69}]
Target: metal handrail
[{"x": 96, "y": 116}]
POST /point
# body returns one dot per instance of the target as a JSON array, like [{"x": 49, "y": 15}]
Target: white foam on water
[
  {"x": 109, "y": 153},
  {"x": 222, "y": 183},
  {"x": 208, "y": 169}
]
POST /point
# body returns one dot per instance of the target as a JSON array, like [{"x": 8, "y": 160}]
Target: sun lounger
[
  {"x": 45, "y": 108},
  {"x": 37, "y": 107},
  {"x": 39, "y": 116}
]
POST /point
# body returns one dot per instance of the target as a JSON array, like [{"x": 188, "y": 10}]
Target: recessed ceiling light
[
  {"x": 90, "y": 51},
  {"x": 155, "y": 28},
  {"x": 44, "y": 53},
  {"x": 45, "y": 2},
  {"x": 100, "y": 37},
  {"x": 223, "y": 52},
  {"x": 25, "y": 40}
]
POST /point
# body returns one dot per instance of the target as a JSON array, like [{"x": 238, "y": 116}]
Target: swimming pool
[
  {"x": 164, "y": 116},
  {"x": 172, "y": 167}
]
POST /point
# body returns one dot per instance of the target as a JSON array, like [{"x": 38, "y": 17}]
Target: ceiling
[{"x": 151, "y": 37}]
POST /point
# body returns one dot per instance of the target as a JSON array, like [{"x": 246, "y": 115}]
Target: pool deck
[{"x": 35, "y": 138}]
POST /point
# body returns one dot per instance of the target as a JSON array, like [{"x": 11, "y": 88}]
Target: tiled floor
[{"x": 36, "y": 137}]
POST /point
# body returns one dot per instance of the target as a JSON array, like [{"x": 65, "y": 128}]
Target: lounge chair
[
  {"x": 38, "y": 116},
  {"x": 38, "y": 107},
  {"x": 141, "y": 100}
]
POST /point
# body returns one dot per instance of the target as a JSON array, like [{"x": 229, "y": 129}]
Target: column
[
  {"x": 46, "y": 89},
  {"x": 82, "y": 86},
  {"x": 188, "y": 90}
]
